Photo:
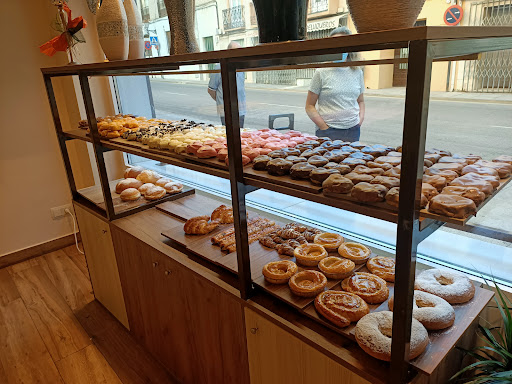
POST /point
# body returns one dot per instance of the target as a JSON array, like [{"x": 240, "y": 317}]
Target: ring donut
[
  {"x": 453, "y": 287},
  {"x": 279, "y": 272},
  {"x": 307, "y": 283},
  {"x": 373, "y": 334},
  {"x": 370, "y": 288},
  {"x": 384, "y": 267},
  {"x": 309, "y": 255},
  {"x": 430, "y": 310},
  {"x": 341, "y": 308},
  {"x": 330, "y": 241},
  {"x": 336, "y": 268}
]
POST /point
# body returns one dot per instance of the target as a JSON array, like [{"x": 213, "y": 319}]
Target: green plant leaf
[{"x": 478, "y": 364}]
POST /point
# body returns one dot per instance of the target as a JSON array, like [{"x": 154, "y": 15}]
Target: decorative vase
[
  {"x": 379, "y": 15},
  {"x": 112, "y": 27},
  {"x": 181, "y": 23},
  {"x": 281, "y": 20},
  {"x": 135, "y": 33}
]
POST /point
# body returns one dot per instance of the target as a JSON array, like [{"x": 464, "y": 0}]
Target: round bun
[
  {"x": 154, "y": 193},
  {"x": 384, "y": 267},
  {"x": 308, "y": 283},
  {"x": 173, "y": 187},
  {"x": 370, "y": 288},
  {"x": 330, "y": 241},
  {"x": 128, "y": 183},
  {"x": 356, "y": 252},
  {"x": 279, "y": 272},
  {"x": 453, "y": 287},
  {"x": 430, "y": 310},
  {"x": 130, "y": 194},
  {"x": 341, "y": 308},
  {"x": 336, "y": 268},
  {"x": 162, "y": 181},
  {"x": 373, "y": 334},
  {"x": 309, "y": 255},
  {"x": 148, "y": 176},
  {"x": 132, "y": 172}
]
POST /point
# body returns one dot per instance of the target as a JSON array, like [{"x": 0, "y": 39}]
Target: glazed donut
[
  {"x": 373, "y": 334},
  {"x": 430, "y": 310},
  {"x": 453, "y": 287},
  {"x": 370, "y": 288},
  {"x": 309, "y": 255},
  {"x": 384, "y": 267},
  {"x": 307, "y": 283},
  {"x": 356, "y": 252},
  {"x": 279, "y": 272},
  {"x": 330, "y": 241},
  {"x": 336, "y": 268},
  {"x": 341, "y": 308}
]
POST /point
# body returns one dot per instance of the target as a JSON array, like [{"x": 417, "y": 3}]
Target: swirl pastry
[
  {"x": 307, "y": 283},
  {"x": 356, "y": 252},
  {"x": 309, "y": 255},
  {"x": 341, "y": 308},
  {"x": 384, "y": 267},
  {"x": 330, "y": 241},
  {"x": 336, "y": 268},
  {"x": 370, "y": 288},
  {"x": 279, "y": 272}
]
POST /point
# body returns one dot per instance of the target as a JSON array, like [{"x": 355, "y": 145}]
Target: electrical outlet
[{"x": 58, "y": 212}]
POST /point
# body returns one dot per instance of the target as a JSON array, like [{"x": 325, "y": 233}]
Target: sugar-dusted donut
[{"x": 453, "y": 287}]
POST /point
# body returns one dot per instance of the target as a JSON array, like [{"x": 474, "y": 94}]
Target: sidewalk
[{"x": 395, "y": 92}]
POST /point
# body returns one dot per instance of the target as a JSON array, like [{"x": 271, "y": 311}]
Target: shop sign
[
  {"x": 153, "y": 40},
  {"x": 147, "y": 44},
  {"x": 321, "y": 25},
  {"x": 453, "y": 15}
]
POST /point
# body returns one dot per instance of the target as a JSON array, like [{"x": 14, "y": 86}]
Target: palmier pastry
[
  {"x": 318, "y": 175},
  {"x": 482, "y": 185},
  {"x": 279, "y": 167},
  {"x": 296, "y": 159},
  {"x": 341, "y": 308},
  {"x": 394, "y": 161},
  {"x": 393, "y": 172},
  {"x": 330, "y": 241},
  {"x": 357, "y": 178},
  {"x": 309, "y": 255},
  {"x": 128, "y": 183},
  {"x": 430, "y": 310},
  {"x": 361, "y": 155},
  {"x": 373, "y": 334},
  {"x": 370, "y": 288},
  {"x": 369, "y": 193},
  {"x": 148, "y": 176},
  {"x": 341, "y": 168},
  {"x": 452, "y": 206},
  {"x": 480, "y": 170},
  {"x": 337, "y": 184},
  {"x": 388, "y": 182},
  {"x": 453, "y": 287},
  {"x": 468, "y": 192},
  {"x": 307, "y": 283},
  {"x": 428, "y": 190},
  {"x": 368, "y": 171},
  {"x": 447, "y": 174},
  {"x": 450, "y": 159},
  {"x": 393, "y": 195},
  {"x": 173, "y": 187},
  {"x": 301, "y": 170},
  {"x": 260, "y": 162},
  {"x": 199, "y": 225},
  {"x": 130, "y": 194},
  {"x": 132, "y": 172},
  {"x": 223, "y": 215},
  {"x": 384, "y": 267},
  {"x": 336, "y": 268},
  {"x": 162, "y": 181},
  {"x": 279, "y": 272},
  {"x": 356, "y": 252},
  {"x": 504, "y": 169},
  {"x": 503, "y": 159},
  {"x": 154, "y": 193},
  {"x": 438, "y": 182},
  {"x": 494, "y": 180},
  {"x": 352, "y": 163},
  {"x": 456, "y": 167},
  {"x": 384, "y": 166}
]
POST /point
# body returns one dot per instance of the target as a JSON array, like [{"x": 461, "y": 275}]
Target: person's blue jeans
[
  {"x": 241, "y": 118},
  {"x": 350, "y": 135}
]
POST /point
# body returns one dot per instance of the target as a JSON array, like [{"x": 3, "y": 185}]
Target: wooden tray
[{"x": 285, "y": 181}]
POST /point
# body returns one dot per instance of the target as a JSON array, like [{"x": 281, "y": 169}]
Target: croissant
[
  {"x": 223, "y": 214},
  {"x": 200, "y": 225}
]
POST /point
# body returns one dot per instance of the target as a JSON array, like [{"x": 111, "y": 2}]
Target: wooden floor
[{"x": 53, "y": 331}]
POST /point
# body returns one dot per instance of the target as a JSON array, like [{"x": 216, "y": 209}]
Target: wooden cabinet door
[
  {"x": 193, "y": 327},
  {"x": 101, "y": 261},
  {"x": 276, "y": 357}
]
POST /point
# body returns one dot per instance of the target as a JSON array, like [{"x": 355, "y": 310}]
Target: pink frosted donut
[
  {"x": 222, "y": 154},
  {"x": 218, "y": 146},
  {"x": 265, "y": 151},
  {"x": 453, "y": 287}
]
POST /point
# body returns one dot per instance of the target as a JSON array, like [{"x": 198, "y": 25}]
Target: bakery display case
[{"x": 283, "y": 264}]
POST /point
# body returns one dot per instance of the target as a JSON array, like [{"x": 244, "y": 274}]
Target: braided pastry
[
  {"x": 301, "y": 239},
  {"x": 292, "y": 243},
  {"x": 288, "y": 234},
  {"x": 309, "y": 236},
  {"x": 285, "y": 249},
  {"x": 276, "y": 238},
  {"x": 223, "y": 214},
  {"x": 199, "y": 225},
  {"x": 267, "y": 241},
  {"x": 254, "y": 237}
]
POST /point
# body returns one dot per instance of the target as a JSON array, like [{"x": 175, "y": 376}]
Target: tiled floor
[{"x": 53, "y": 331}]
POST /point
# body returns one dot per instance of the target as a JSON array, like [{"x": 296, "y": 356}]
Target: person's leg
[{"x": 242, "y": 120}]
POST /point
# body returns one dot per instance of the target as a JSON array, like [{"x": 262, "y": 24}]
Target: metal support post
[
  {"x": 236, "y": 176},
  {"x": 413, "y": 150}
]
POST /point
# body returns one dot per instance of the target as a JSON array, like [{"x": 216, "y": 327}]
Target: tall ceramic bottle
[
  {"x": 135, "y": 33},
  {"x": 112, "y": 27},
  {"x": 181, "y": 22}
]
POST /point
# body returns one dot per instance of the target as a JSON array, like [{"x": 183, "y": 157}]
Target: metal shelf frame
[{"x": 426, "y": 44}]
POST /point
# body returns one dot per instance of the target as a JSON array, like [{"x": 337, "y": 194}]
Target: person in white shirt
[{"x": 335, "y": 101}]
